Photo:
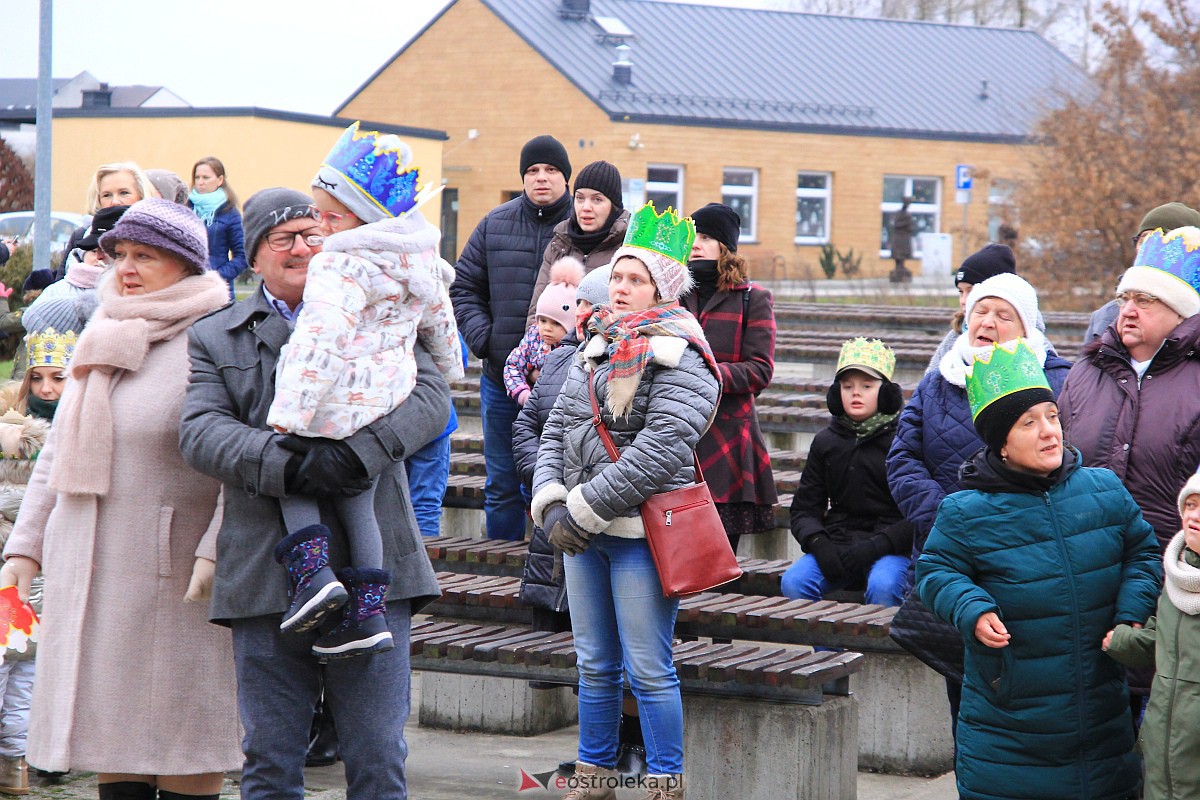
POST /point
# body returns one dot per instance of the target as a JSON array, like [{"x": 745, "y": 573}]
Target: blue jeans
[
  {"x": 621, "y": 620},
  {"x": 278, "y": 684},
  {"x": 887, "y": 582},
  {"x": 503, "y": 494},
  {"x": 428, "y": 472}
]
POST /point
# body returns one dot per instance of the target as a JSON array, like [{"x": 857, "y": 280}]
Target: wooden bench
[
  {"x": 793, "y": 706},
  {"x": 903, "y": 716}
]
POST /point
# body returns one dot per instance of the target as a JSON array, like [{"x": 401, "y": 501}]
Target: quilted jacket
[
  {"x": 495, "y": 274},
  {"x": 934, "y": 439},
  {"x": 672, "y": 407},
  {"x": 1149, "y": 434},
  {"x": 1046, "y": 716}
]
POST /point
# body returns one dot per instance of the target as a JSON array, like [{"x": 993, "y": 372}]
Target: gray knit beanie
[
  {"x": 594, "y": 286},
  {"x": 268, "y": 208},
  {"x": 165, "y": 225},
  {"x": 63, "y": 314}
]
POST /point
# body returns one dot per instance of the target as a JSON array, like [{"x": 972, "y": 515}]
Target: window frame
[
  {"x": 825, "y": 194},
  {"x": 934, "y": 209},
  {"x": 751, "y": 191},
  {"x": 666, "y": 186}
]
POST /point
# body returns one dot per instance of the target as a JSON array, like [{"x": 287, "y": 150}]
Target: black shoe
[
  {"x": 631, "y": 760},
  {"x": 566, "y": 768}
]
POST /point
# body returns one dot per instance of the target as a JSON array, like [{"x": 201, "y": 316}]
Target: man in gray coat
[{"x": 224, "y": 434}]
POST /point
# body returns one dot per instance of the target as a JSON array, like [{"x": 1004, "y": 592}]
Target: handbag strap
[{"x": 609, "y": 445}]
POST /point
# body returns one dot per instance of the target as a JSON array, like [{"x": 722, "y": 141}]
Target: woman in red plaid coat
[{"x": 739, "y": 323}]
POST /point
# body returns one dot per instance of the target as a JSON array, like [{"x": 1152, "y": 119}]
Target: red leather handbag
[{"x": 686, "y": 536}]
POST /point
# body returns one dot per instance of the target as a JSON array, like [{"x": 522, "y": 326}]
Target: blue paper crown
[
  {"x": 379, "y": 168},
  {"x": 1176, "y": 253}
]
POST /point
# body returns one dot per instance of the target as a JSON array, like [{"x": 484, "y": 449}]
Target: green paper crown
[
  {"x": 663, "y": 233},
  {"x": 1010, "y": 367},
  {"x": 872, "y": 354}
]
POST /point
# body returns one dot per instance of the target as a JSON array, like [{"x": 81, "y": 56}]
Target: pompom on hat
[
  {"x": 1001, "y": 386},
  {"x": 557, "y": 301},
  {"x": 663, "y": 242},
  {"x": 165, "y": 225},
  {"x": 370, "y": 173},
  {"x": 1168, "y": 267}
]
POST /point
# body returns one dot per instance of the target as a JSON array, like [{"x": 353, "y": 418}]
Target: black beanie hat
[
  {"x": 102, "y": 223},
  {"x": 995, "y": 421},
  {"x": 993, "y": 259},
  {"x": 545, "y": 149},
  {"x": 37, "y": 280},
  {"x": 604, "y": 178},
  {"x": 720, "y": 222}
]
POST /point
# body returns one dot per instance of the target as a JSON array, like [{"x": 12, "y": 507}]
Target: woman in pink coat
[{"x": 132, "y": 681}]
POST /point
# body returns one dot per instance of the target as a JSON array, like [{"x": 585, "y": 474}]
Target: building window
[
  {"x": 1002, "y": 208},
  {"x": 813, "y": 192},
  {"x": 925, "y": 208},
  {"x": 664, "y": 186},
  {"x": 739, "y": 191}
]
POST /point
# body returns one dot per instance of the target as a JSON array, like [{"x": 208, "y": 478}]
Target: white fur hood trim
[{"x": 668, "y": 350}]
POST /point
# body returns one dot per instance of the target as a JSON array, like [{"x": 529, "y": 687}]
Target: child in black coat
[{"x": 843, "y": 514}]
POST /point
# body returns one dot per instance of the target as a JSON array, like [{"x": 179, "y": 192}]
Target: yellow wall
[
  {"x": 257, "y": 152},
  {"x": 508, "y": 93}
]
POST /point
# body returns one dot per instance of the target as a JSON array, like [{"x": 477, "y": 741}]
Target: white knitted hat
[{"x": 1018, "y": 293}]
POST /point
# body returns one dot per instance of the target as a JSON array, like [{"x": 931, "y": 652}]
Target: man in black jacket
[{"x": 491, "y": 294}]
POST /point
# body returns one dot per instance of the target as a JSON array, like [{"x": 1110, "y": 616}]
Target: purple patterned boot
[
  {"x": 363, "y": 629},
  {"x": 314, "y": 589}
]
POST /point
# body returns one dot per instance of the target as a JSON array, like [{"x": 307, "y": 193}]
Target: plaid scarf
[{"x": 630, "y": 350}]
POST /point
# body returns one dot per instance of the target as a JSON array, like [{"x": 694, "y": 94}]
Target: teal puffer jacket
[{"x": 1061, "y": 560}]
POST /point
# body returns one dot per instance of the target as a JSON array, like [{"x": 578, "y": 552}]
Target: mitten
[{"x": 822, "y": 548}]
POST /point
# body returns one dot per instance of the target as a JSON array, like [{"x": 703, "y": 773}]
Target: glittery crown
[
  {"x": 50, "y": 348},
  {"x": 379, "y": 164},
  {"x": 1177, "y": 253},
  {"x": 663, "y": 233},
  {"x": 872, "y": 354},
  {"x": 1009, "y": 368}
]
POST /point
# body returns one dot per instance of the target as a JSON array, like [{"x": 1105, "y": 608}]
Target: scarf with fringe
[
  {"x": 117, "y": 339},
  {"x": 630, "y": 349}
]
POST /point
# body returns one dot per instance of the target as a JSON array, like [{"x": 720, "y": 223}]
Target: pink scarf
[{"x": 118, "y": 338}]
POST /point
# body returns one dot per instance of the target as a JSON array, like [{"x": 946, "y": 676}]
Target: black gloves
[
  {"x": 859, "y": 557},
  {"x": 563, "y": 531},
  {"x": 329, "y": 468},
  {"x": 822, "y": 548}
]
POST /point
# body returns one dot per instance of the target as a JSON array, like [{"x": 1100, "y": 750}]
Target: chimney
[
  {"x": 97, "y": 98},
  {"x": 574, "y": 9},
  {"x": 623, "y": 66}
]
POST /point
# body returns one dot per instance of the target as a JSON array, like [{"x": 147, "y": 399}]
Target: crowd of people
[{"x": 217, "y": 505}]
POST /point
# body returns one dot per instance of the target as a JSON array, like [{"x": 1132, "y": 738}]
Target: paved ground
[{"x": 455, "y": 766}]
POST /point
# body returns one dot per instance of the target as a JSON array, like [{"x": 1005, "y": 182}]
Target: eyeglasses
[
  {"x": 1140, "y": 299},
  {"x": 282, "y": 241},
  {"x": 326, "y": 216}
]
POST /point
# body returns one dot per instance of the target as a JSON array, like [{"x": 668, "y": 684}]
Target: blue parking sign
[{"x": 962, "y": 176}]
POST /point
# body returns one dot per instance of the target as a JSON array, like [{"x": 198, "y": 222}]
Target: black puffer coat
[
  {"x": 538, "y": 585},
  {"x": 495, "y": 276}
]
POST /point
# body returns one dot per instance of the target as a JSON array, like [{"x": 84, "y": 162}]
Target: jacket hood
[
  {"x": 410, "y": 236},
  {"x": 985, "y": 472}
]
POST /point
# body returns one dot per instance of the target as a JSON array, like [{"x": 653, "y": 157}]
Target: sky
[{"x": 224, "y": 52}]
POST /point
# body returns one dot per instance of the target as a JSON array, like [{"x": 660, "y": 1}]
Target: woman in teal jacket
[{"x": 1034, "y": 562}]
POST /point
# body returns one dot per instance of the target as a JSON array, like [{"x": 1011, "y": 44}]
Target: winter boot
[
  {"x": 592, "y": 783},
  {"x": 315, "y": 591},
  {"x": 127, "y": 790},
  {"x": 631, "y": 750},
  {"x": 664, "y": 787},
  {"x": 14, "y": 775},
  {"x": 363, "y": 628}
]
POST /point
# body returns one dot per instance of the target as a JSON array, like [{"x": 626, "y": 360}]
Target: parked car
[{"x": 20, "y": 224}]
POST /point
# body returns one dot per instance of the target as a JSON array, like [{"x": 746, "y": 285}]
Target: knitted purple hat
[{"x": 165, "y": 225}]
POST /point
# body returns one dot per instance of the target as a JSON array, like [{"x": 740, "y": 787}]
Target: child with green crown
[{"x": 843, "y": 514}]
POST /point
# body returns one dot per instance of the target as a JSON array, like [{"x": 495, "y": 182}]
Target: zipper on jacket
[{"x": 1080, "y": 695}]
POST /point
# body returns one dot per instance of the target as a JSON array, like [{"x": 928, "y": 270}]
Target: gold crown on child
[{"x": 50, "y": 348}]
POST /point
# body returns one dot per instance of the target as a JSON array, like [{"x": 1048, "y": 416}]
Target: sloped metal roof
[
  {"x": 738, "y": 67},
  {"x": 22, "y": 92}
]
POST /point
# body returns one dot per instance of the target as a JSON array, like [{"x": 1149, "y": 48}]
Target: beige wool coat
[{"x": 130, "y": 678}]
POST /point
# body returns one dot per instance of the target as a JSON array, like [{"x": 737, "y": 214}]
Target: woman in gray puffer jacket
[{"x": 656, "y": 384}]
